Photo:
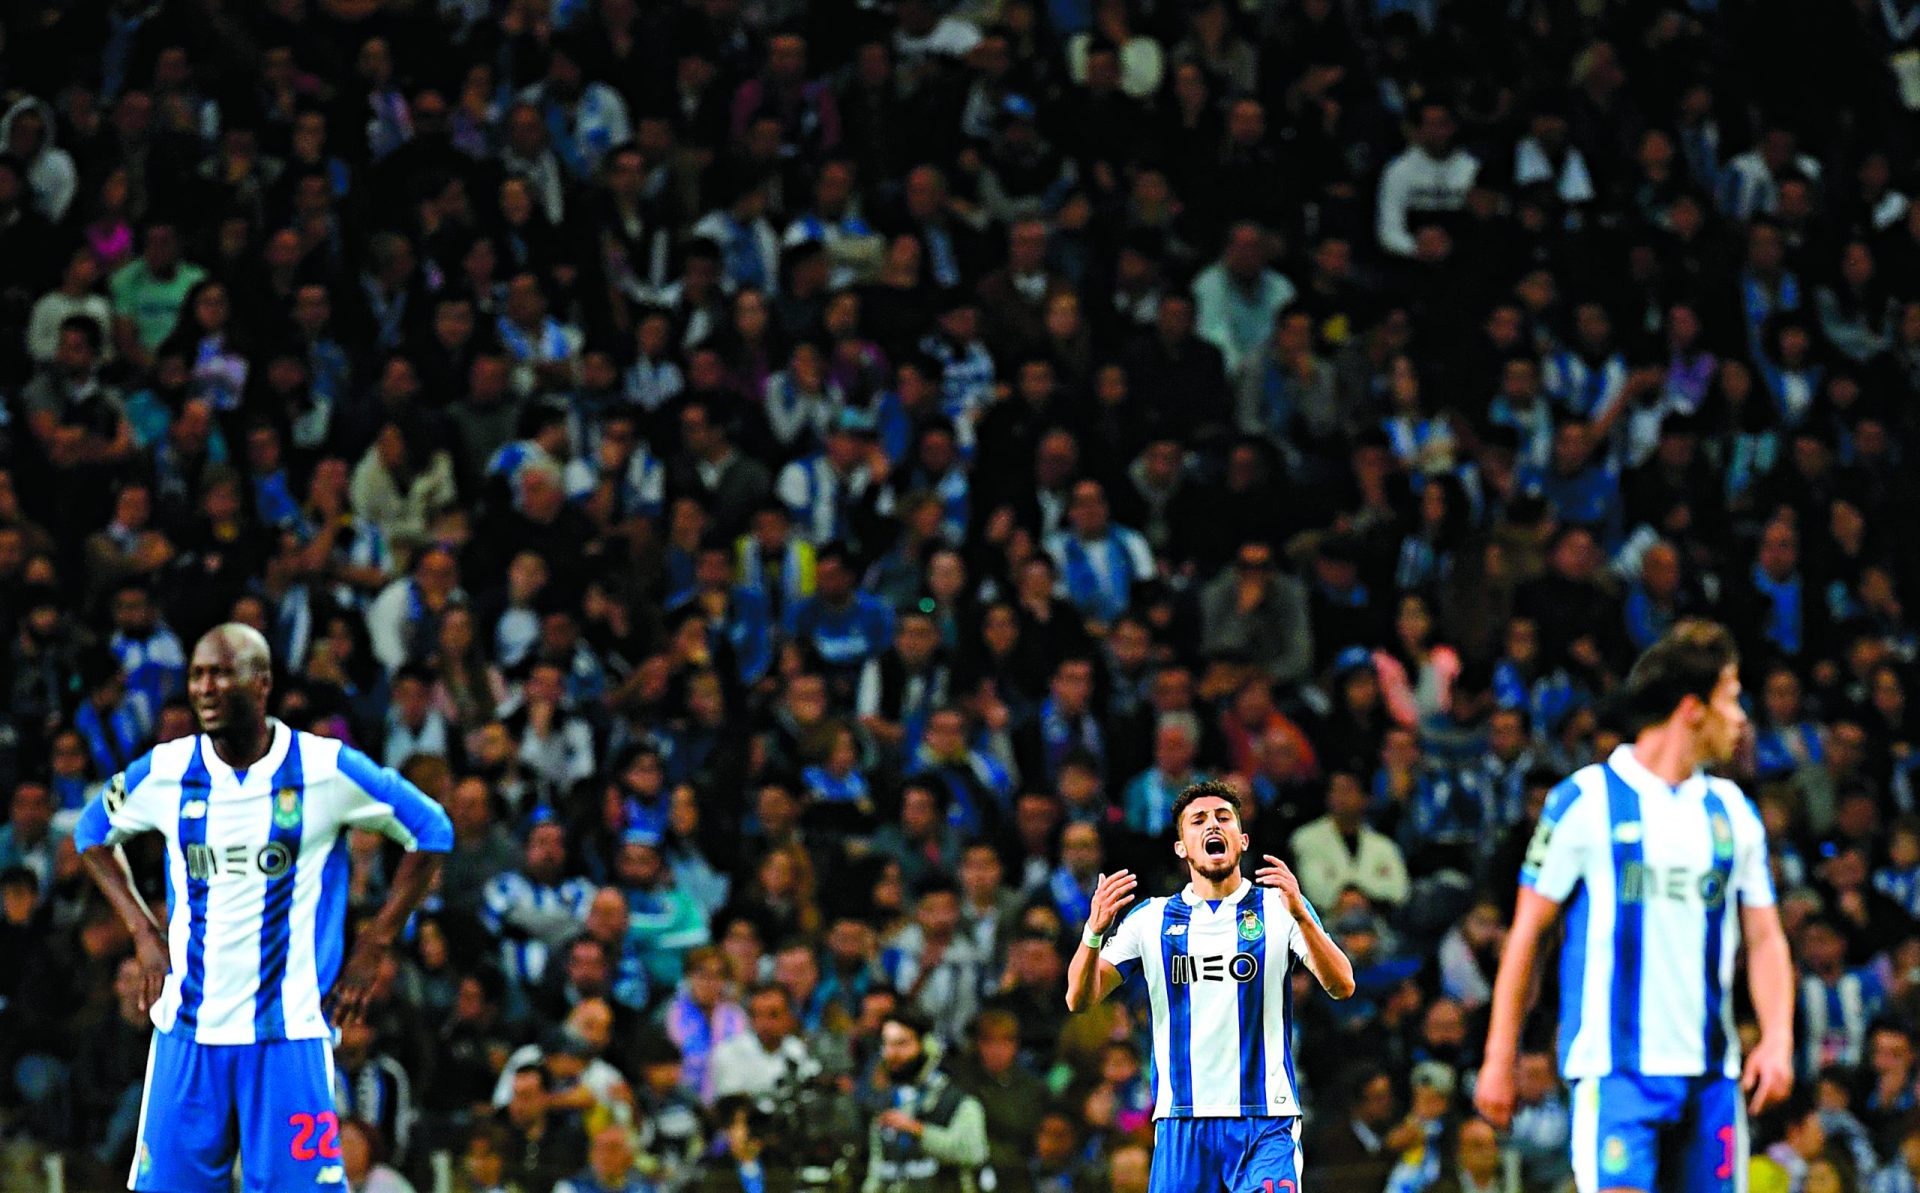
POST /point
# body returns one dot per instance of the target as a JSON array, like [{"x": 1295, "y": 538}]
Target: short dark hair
[
  {"x": 1211, "y": 788},
  {"x": 1687, "y": 661}
]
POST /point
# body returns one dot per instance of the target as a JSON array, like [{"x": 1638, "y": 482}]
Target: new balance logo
[
  {"x": 194, "y": 809},
  {"x": 1176, "y": 929},
  {"x": 1184, "y": 969},
  {"x": 332, "y": 1174}
]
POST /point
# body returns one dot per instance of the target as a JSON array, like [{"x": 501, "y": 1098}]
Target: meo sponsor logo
[{"x": 1184, "y": 969}]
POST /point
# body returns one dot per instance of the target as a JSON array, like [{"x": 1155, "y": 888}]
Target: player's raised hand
[
  {"x": 1493, "y": 1093},
  {"x": 1276, "y": 875},
  {"x": 1768, "y": 1075},
  {"x": 1111, "y": 894},
  {"x": 155, "y": 963}
]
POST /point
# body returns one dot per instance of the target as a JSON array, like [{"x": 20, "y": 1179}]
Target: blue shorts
[
  {"x": 1226, "y": 1155},
  {"x": 271, "y": 1104},
  {"x": 1659, "y": 1133}
]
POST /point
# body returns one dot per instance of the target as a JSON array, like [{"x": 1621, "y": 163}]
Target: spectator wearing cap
[
  {"x": 841, "y": 493},
  {"x": 665, "y": 923}
]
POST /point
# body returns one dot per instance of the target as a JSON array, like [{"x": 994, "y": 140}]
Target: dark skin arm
[
  {"x": 108, "y": 867},
  {"x": 411, "y": 882}
]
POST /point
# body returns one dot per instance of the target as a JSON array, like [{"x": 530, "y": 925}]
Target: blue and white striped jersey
[
  {"x": 1217, "y": 980},
  {"x": 257, "y": 873},
  {"x": 1652, "y": 878}
]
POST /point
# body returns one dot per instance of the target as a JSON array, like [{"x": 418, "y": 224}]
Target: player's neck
[
  {"x": 1668, "y": 751},
  {"x": 241, "y": 746},
  {"x": 1208, "y": 888}
]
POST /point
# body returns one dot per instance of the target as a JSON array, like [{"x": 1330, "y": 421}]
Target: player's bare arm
[
  {"x": 1767, "y": 1076},
  {"x": 411, "y": 882},
  {"x": 107, "y": 865},
  {"x": 1328, "y": 964},
  {"x": 1090, "y": 979},
  {"x": 1513, "y": 991}
]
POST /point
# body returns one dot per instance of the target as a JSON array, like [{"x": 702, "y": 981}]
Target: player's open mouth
[{"x": 1215, "y": 846}]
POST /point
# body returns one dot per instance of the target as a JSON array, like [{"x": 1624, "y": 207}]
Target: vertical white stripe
[
  {"x": 1282, "y": 1098},
  {"x": 300, "y": 988},
  {"x": 1153, "y": 969},
  {"x": 1213, "y": 1020},
  {"x": 146, "y": 1093},
  {"x": 1742, "y": 1143},
  {"x": 1592, "y": 1051},
  {"x": 166, "y": 1012},
  {"x": 1586, "y": 1135},
  {"x": 1299, "y": 1155}
]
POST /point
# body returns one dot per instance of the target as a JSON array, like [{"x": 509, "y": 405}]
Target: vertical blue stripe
[
  {"x": 1286, "y": 1025},
  {"x": 195, "y": 784},
  {"x": 1629, "y": 929},
  {"x": 1573, "y": 969},
  {"x": 1253, "y": 1017},
  {"x": 276, "y": 912},
  {"x": 1720, "y": 829},
  {"x": 330, "y": 921},
  {"x": 1179, "y": 1006}
]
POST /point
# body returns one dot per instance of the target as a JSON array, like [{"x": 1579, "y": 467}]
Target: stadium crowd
[{"x": 807, "y": 484}]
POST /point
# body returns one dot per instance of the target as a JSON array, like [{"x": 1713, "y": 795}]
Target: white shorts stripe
[
  {"x": 146, "y": 1092},
  {"x": 1586, "y": 1135}
]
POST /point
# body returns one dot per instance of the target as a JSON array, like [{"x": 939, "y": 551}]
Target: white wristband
[{"x": 1091, "y": 939}]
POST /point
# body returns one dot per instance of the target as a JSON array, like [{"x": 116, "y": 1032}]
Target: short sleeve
[
  {"x": 376, "y": 797},
  {"x": 127, "y": 806},
  {"x": 1124, "y": 946},
  {"x": 1296, "y": 938},
  {"x": 1752, "y": 871},
  {"x": 1557, "y": 856}
]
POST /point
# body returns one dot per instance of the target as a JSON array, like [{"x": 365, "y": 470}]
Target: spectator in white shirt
[
  {"x": 1432, "y": 177},
  {"x": 1340, "y": 850},
  {"x": 1237, "y": 297}
]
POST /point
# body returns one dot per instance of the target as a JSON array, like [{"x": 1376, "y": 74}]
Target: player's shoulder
[
  {"x": 1584, "y": 788},
  {"x": 1739, "y": 805},
  {"x": 167, "y": 762}
]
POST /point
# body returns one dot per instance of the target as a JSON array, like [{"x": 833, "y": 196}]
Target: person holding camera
[{"x": 929, "y": 1136}]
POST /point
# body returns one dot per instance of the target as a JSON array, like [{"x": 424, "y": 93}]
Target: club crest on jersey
[
  {"x": 286, "y": 808},
  {"x": 115, "y": 795},
  {"x": 1613, "y": 1157},
  {"x": 1722, "y": 836},
  {"x": 1250, "y": 926}
]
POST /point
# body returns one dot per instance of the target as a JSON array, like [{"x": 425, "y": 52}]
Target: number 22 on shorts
[{"x": 328, "y": 1124}]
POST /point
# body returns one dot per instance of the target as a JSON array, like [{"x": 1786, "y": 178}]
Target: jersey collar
[
  {"x": 1193, "y": 899},
  {"x": 1646, "y": 782},
  {"x": 277, "y": 748}
]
